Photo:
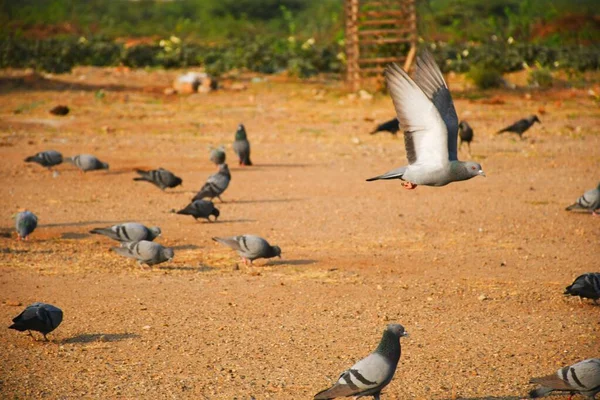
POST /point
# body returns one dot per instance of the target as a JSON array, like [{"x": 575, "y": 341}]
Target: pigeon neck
[
  {"x": 459, "y": 171},
  {"x": 389, "y": 347}
]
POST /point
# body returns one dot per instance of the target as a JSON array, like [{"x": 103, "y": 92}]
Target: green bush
[
  {"x": 540, "y": 77},
  {"x": 484, "y": 76}
]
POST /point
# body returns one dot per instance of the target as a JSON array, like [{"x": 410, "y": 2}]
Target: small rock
[
  {"x": 364, "y": 95},
  {"x": 13, "y": 303},
  {"x": 482, "y": 297},
  {"x": 146, "y": 328},
  {"x": 238, "y": 86},
  {"x": 169, "y": 91}
]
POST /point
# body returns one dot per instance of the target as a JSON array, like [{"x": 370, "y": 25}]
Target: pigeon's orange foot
[
  {"x": 595, "y": 214},
  {"x": 409, "y": 185}
]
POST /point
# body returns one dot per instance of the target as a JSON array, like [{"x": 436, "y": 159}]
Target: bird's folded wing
[
  {"x": 229, "y": 242},
  {"x": 552, "y": 381},
  {"x": 425, "y": 133}
]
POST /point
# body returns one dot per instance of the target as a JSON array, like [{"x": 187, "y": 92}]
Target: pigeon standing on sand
[
  {"x": 145, "y": 252},
  {"x": 25, "y": 223},
  {"x": 159, "y": 177},
  {"x": 585, "y": 286},
  {"x": 392, "y": 126},
  {"x": 426, "y": 112},
  {"x": 582, "y": 378},
  {"x": 39, "y": 317},
  {"x": 86, "y": 162},
  {"x": 218, "y": 156},
  {"x": 215, "y": 184},
  {"x": 371, "y": 374},
  {"x": 129, "y": 232},
  {"x": 46, "y": 159},
  {"x": 521, "y": 126},
  {"x": 589, "y": 201},
  {"x": 465, "y": 134},
  {"x": 241, "y": 146},
  {"x": 200, "y": 209},
  {"x": 250, "y": 247}
]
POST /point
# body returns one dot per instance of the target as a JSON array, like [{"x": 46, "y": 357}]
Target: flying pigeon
[
  {"x": 241, "y": 146},
  {"x": 46, "y": 159},
  {"x": 521, "y": 126},
  {"x": 426, "y": 112},
  {"x": 589, "y": 201},
  {"x": 371, "y": 374},
  {"x": 60, "y": 110},
  {"x": 145, "y": 252},
  {"x": 25, "y": 223},
  {"x": 39, "y": 317},
  {"x": 585, "y": 286},
  {"x": 465, "y": 134},
  {"x": 250, "y": 247},
  {"x": 215, "y": 184},
  {"x": 200, "y": 209},
  {"x": 86, "y": 162},
  {"x": 392, "y": 126},
  {"x": 582, "y": 377},
  {"x": 129, "y": 232},
  {"x": 217, "y": 155},
  {"x": 159, "y": 177}
]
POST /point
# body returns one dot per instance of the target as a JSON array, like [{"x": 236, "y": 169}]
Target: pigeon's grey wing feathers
[
  {"x": 124, "y": 251},
  {"x": 232, "y": 242}
]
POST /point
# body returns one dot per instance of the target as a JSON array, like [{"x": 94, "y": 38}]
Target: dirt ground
[{"x": 475, "y": 270}]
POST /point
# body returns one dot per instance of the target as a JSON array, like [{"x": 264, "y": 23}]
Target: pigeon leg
[
  {"x": 220, "y": 199},
  {"x": 45, "y": 338},
  {"x": 18, "y": 238},
  {"x": 409, "y": 185},
  {"x": 595, "y": 214},
  {"x": 29, "y": 333}
]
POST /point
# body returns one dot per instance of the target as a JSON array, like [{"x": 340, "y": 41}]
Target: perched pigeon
[
  {"x": 39, "y": 317},
  {"x": 392, "y": 126},
  {"x": 129, "y": 232},
  {"x": 426, "y": 112},
  {"x": 215, "y": 184},
  {"x": 86, "y": 162},
  {"x": 218, "y": 155},
  {"x": 585, "y": 286},
  {"x": 250, "y": 247},
  {"x": 465, "y": 134},
  {"x": 200, "y": 209},
  {"x": 241, "y": 146},
  {"x": 159, "y": 177},
  {"x": 371, "y": 374},
  {"x": 25, "y": 223},
  {"x": 60, "y": 110},
  {"x": 145, "y": 252},
  {"x": 521, "y": 125},
  {"x": 589, "y": 201},
  {"x": 46, "y": 159},
  {"x": 582, "y": 378}
]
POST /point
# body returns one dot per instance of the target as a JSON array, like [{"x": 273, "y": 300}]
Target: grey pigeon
[
  {"x": 585, "y": 286},
  {"x": 250, "y": 247},
  {"x": 392, "y": 126},
  {"x": 145, "y": 252},
  {"x": 25, "y": 223},
  {"x": 371, "y": 374},
  {"x": 215, "y": 184},
  {"x": 426, "y": 112},
  {"x": 161, "y": 178},
  {"x": 217, "y": 155},
  {"x": 465, "y": 134},
  {"x": 129, "y": 232},
  {"x": 582, "y": 378},
  {"x": 589, "y": 201},
  {"x": 39, "y": 317},
  {"x": 86, "y": 162},
  {"x": 241, "y": 146},
  {"x": 200, "y": 209},
  {"x": 46, "y": 159},
  {"x": 521, "y": 126}
]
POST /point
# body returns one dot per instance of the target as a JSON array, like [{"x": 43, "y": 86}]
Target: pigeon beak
[
  {"x": 405, "y": 334},
  {"x": 482, "y": 173}
]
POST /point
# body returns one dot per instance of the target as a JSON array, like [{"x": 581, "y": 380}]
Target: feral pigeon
[
  {"x": 585, "y": 286},
  {"x": 392, "y": 126},
  {"x": 39, "y": 317},
  {"x": 371, "y": 374},
  {"x": 521, "y": 126},
  {"x": 241, "y": 146},
  {"x": 159, "y": 177},
  {"x": 46, "y": 159},
  {"x": 217, "y": 155},
  {"x": 582, "y": 377},
  {"x": 86, "y": 162},
  {"x": 215, "y": 184},
  {"x": 426, "y": 112},
  {"x": 250, "y": 247},
  {"x": 200, "y": 209},
  {"x": 129, "y": 232},
  {"x": 60, "y": 110},
  {"x": 145, "y": 252},
  {"x": 589, "y": 201},
  {"x": 465, "y": 134},
  {"x": 25, "y": 223}
]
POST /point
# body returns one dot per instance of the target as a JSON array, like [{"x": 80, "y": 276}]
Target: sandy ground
[{"x": 475, "y": 270}]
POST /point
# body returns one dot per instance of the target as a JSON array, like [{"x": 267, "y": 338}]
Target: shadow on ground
[
  {"x": 290, "y": 262},
  {"x": 264, "y": 201},
  {"x": 100, "y": 337},
  {"x": 199, "y": 268}
]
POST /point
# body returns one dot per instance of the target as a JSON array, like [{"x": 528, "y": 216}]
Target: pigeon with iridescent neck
[{"x": 241, "y": 146}]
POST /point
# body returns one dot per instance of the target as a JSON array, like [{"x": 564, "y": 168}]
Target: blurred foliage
[
  {"x": 485, "y": 76},
  {"x": 540, "y": 77}
]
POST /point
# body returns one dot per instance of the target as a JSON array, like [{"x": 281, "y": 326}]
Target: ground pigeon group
[
  {"x": 47, "y": 159},
  {"x": 586, "y": 286},
  {"x": 129, "y": 232},
  {"x": 392, "y": 126},
  {"x": 465, "y": 134},
  {"x": 39, "y": 317},
  {"x": 215, "y": 184},
  {"x": 250, "y": 247},
  {"x": 145, "y": 252},
  {"x": 589, "y": 201},
  {"x": 218, "y": 155},
  {"x": 86, "y": 162},
  {"x": 241, "y": 146},
  {"x": 200, "y": 209},
  {"x": 161, "y": 178},
  {"x": 25, "y": 224},
  {"x": 521, "y": 126},
  {"x": 580, "y": 378}
]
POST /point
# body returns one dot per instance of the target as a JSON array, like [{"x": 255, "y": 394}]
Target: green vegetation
[{"x": 485, "y": 77}]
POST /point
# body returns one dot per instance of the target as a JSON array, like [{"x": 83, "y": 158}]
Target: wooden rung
[
  {"x": 389, "y": 13},
  {"x": 379, "y": 22},
  {"x": 373, "y": 32},
  {"x": 380, "y": 60},
  {"x": 385, "y": 40}
]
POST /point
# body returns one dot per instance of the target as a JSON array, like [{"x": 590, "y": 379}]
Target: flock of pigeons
[{"x": 426, "y": 112}]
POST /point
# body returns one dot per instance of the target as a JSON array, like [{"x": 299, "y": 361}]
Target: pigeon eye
[{"x": 473, "y": 168}]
